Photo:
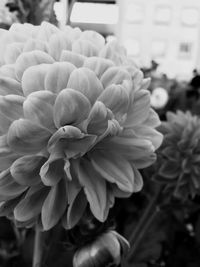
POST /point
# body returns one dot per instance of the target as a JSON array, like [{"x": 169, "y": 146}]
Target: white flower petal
[
  {"x": 93, "y": 37},
  {"x": 97, "y": 122},
  {"x": 85, "y": 48},
  {"x": 98, "y": 65},
  {"x": 59, "y": 42},
  {"x": 115, "y": 97},
  {"x": 95, "y": 189},
  {"x": 115, "y": 75},
  {"x": 46, "y": 30},
  {"x": 11, "y": 106},
  {"x": 71, "y": 57},
  {"x": 57, "y": 76},
  {"x": 31, "y": 205},
  {"x": 26, "y": 137},
  {"x": 12, "y": 52},
  {"x": 38, "y": 108},
  {"x": 25, "y": 170},
  {"x": 33, "y": 44},
  {"x": 139, "y": 109},
  {"x": 28, "y": 59},
  {"x": 86, "y": 82},
  {"x": 54, "y": 205},
  {"x": 115, "y": 169},
  {"x": 71, "y": 107},
  {"x": 9, "y": 86}
]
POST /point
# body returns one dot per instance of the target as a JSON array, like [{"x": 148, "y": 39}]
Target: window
[
  {"x": 159, "y": 48},
  {"x": 132, "y": 46},
  {"x": 94, "y": 13},
  {"x": 163, "y": 15},
  {"x": 134, "y": 13},
  {"x": 185, "y": 50},
  {"x": 190, "y": 16}
]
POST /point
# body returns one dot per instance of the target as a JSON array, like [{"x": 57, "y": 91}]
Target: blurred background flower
[{"x": 179, "y": 155}]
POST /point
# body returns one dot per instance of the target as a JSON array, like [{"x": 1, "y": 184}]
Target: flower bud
[{"x": 106, "y": 250}]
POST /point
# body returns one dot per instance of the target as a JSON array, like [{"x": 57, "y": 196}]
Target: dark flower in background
[{"x": 178, "y": 164}]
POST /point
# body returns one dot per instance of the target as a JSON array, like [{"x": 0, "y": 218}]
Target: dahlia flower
[
  {"x": 178, "y": 164},
  {"x": 75, "y": 123}
]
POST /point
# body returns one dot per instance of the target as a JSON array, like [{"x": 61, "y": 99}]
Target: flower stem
[
  {"x": 148, "y": 216},
  {"x": 38, "y": 248}
]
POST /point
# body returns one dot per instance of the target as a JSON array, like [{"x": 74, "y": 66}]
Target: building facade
[{"x": 167, "y": 31}]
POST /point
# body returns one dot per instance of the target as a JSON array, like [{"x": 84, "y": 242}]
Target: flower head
[
  {"x": 179, "y": 155},
  {"x": 76, "y": 124}
]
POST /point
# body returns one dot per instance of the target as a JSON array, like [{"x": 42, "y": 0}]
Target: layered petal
[
  {"x": 114, "y": 169},
  {"x": 86, "y": 82},
  {"x": 30, "y": 206},
  {"x": 9, "y": 189},
  {"x": 95, "y": 189},
  {"x": 54, "y": 205},
  {"x": 71, "y": 108},
  {"x": 38, "y": 108},
  {"x": 27, "y": 137},
  {"x": 57, "y": 76},
  {"x": 28, "y": 59},
  {"x": 34, "y": 78},
  {"x": 26, "y": 170}
]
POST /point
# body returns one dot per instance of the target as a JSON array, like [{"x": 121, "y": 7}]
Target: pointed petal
[
  {"x": 86, "y": 82},
  {"x": 53, "y": 169},
  {"x": 27, "y": 137},
  {"x": 58, "y": 76},
  {"x": 145, "y": 161},
  {"x": 75, "y": 210},
  {"x": 138, "y": 181},
  {"x": 139, "y": 110},
  {"x": 127, "y": 145},
  {"x": 7, "y": 207},
  {"x": 54, "y": 205},
  {"x": 71, "y": 57},
  {"x": 116, "y": 99},
  {"x": 98, "y": 119},
  {"x": 33, "y": 78},
  {"x": 9, "y": 86},
  {"x": 11, "y": 106},
  {"x": 71, "y": 107},
  {"x": 85, "y": 48},
  {"x": 152, "y": 120},
  {"x": 59, "y": 42},
  {"x": 31, "y": 206},
  {"x": 115, "y": 75},
  {"x": 98, "y": 65},
  {"x": 95, "y": 189},
  {"x": 38, "y": 108},
  {"x": 25, "y": 170},
  {"x": 114, "y": 169},
  {"x": 143, "y": 131},
  {"x": 28, "y": 59},
  {"x": 8, "y": 187}
]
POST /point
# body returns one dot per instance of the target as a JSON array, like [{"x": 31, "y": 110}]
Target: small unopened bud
[{"x": 106, "y": 250}]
